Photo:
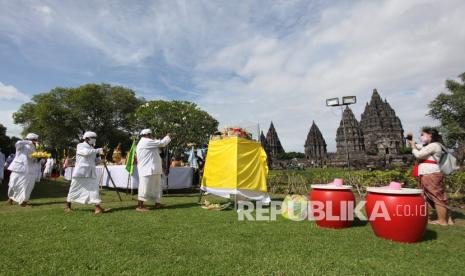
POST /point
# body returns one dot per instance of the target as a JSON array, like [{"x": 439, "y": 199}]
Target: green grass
[{"x": 185, "y": 239}]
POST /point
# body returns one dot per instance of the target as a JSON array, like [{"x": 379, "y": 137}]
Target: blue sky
[{"x": 243, "y": 61}]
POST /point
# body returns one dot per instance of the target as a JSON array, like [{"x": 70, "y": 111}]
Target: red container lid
[
  {"x": 331, "y": 187},
  {"x": 387, "y": 190}
]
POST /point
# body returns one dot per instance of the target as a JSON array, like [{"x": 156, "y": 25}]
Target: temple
[
  {"x": 376, "y": 140},
  {"x": 382, "y": 129},
  {"x": 273, "y": 146},
  {"x": 315, "y": 147}
]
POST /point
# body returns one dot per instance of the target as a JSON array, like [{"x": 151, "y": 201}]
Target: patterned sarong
[{"x": 433, "y": 189}]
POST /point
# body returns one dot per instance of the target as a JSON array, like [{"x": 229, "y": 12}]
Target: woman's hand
[{"x": 412, "y": 144}]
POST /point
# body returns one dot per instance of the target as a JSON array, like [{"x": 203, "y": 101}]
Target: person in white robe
[
  {"x": 2, "y": 166},
  {"x": 84, "y": 187},
  {"x": 149, "y": 167},
  {"x": 23, "y": 171},
  {"x": 48, "y": 167},
  {"x": 39, "y": 166}
]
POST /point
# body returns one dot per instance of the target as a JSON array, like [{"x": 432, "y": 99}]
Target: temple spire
[
  {"x": 274, "y": 146},
  {"x": 315, "y": 146}
]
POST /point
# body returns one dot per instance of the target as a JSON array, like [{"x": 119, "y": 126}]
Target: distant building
[
  {"x": 382, "y": 129},
  {"x": 376, "y": 139},
  {"x": 315, "y": 147},
  {"x": 273, "y": 146},
  {"x": 349, "y": 129}
]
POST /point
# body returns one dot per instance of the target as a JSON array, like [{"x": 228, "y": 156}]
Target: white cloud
[
  {"x": 395, "y": 46},
  {"x": 257, "y": 61},
  {"x": 6, "y": 119},
  {"x": 10, "y": 93}
]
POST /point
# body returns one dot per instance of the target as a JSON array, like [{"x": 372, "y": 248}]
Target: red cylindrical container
[
  {"x": 398, "y": 215},
  {"x": 332, "y": 205}
]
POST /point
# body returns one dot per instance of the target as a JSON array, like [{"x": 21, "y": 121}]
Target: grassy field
[{"x": 186, "y": 239}]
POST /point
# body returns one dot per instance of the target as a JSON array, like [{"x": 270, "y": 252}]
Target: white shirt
[
  {"x": 148, "y": 155},
  {"x": 85, "y": 161},
  {"x": 432, "y": 152},
  {"x": 23, "y": 162}
]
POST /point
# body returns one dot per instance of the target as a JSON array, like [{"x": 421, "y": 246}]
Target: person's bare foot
[
  {"x": 142, "y": 209},
  {"x": 159, "y": 205},
  {"x": 437, "y": 222},
  {"x": 451, "y": 221},
  {"x": 9, "y": 201},
  {"x": 68, "y": 210},
  {"x": 101, "y": 210}
]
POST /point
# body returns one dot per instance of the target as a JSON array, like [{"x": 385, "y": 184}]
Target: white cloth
[
  {"x": 85, "y": 161},
  {"x": 150, "y": 188},
  {"x": 20, "y": 186},
  {"x": 48, "y": 167},
  {"x": 148, "y": 155},
  {"x": 23, "y": 172},
  {"x": 179, "y": 178},
  {"x": 68, "y": 175},
  {"x": 84, "y": 184},
  {"x": 226, "y": 193},
  {"x": 84, "y": 191},
  {"x": 38, "y": 167},
  {"x": 89, "y": 134},
  {"x": 120, "y": 176},
  {"x": 23, "y": 163},
  {"x": 193, "y": 163},
  {"x": 32, "y": 136},
  {"x": 145, "y": 131},
  {"x": 432, "y": 152},
  {"x": 2, "y": 165}
]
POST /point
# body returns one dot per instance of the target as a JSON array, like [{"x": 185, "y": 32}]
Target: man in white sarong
[
  {"x": 84, "y": 187},
  {"x": 23, "y": 171},
  {"x": 39, "y": 170},
  {"x": 48, "y": 167},
  {"x": 2, "y": 166},
  {"x": 150, "y": 169}
]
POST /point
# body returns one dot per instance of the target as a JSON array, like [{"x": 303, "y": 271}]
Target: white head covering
[
  {"x": 32, "y": 136},
  {"x": 89, "y": 134},
  {"x": 145, "y": 132}
]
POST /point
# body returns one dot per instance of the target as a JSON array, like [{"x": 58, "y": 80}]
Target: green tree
[
  {"x": 7, "y": 144},
  {"x": 449, "y": 109},
  {"x": 185, "y": 120},
  {"x": 62, "y": 115},
  {"x": 290, "y": 155}
]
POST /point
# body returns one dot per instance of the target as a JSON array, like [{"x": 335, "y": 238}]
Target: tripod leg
[
  {"x": 112, "y": 182},
  {"x": 200, "y": 197}
]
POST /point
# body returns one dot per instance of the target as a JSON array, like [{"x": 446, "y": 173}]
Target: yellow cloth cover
[{"x": 235, "y": 163}]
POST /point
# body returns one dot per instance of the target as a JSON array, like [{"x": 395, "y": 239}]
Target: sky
[{"x": 245, "y": 62}]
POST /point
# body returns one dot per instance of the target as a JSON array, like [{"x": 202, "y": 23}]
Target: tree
[
  {"x": 185, "y": 120},
  {"x": 449, "y": 109},
  {"x": 7, "y": 144},
  {"x": 62, "y": 115},
  {"x": 290, "y": 155}
]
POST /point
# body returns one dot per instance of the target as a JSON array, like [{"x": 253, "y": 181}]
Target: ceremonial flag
[{"x": 131, "y": 158}]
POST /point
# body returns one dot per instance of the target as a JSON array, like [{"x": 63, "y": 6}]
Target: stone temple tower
[
  {"x": 274, "y": 146},
  {"x": 382, "y": 129},
  {"x": 353, "y": 134},
  {"x": 315, "y": 145}
]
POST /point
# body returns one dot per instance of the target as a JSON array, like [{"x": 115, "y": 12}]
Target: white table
[{"x": 179, "y": 178}]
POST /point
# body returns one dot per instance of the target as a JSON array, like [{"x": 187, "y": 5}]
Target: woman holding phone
[{"x": 429, "y": 154}]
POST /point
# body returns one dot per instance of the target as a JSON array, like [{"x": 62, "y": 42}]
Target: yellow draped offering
[{"x": 234, "y": 165}]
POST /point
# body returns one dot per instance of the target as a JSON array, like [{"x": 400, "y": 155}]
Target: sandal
[{"x": 436, "y": 222}]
